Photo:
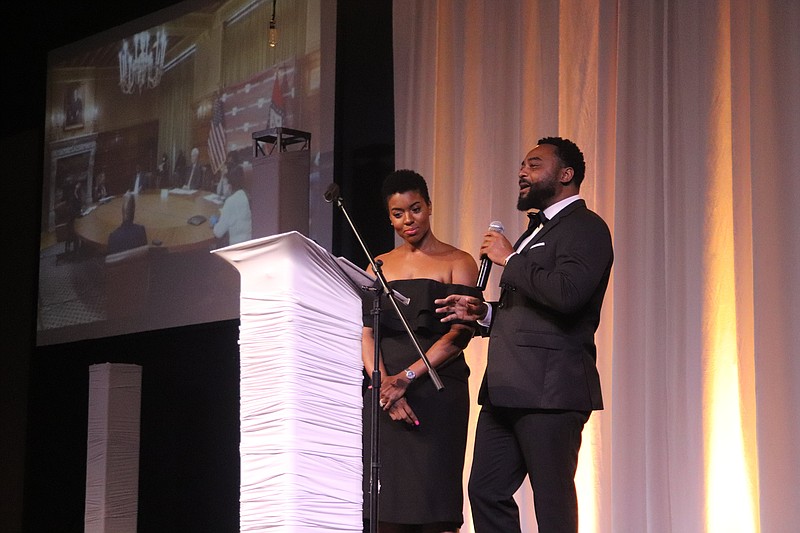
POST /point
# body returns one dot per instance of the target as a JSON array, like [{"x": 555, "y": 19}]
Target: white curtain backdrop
[{"x": 689, "y": 117}]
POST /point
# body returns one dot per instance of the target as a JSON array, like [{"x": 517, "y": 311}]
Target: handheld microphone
[{"x": 486, "y": 263}]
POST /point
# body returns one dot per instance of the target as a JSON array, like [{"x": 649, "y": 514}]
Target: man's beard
[{"x": 538, "y": 195}]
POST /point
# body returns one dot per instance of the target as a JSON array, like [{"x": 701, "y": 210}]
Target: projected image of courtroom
[{"x": 167, "y": 138}]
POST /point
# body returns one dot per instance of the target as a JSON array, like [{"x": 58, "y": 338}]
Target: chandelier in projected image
[{"x": 141, "y": 65}]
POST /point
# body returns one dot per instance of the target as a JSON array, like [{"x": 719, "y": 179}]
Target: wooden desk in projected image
[{"x": 164, "y": 216}]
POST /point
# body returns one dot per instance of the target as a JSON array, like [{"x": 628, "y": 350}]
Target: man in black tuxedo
[{"x": 541, "y": 381}]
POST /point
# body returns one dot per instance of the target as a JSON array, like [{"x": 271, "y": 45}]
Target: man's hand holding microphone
[{"x": 494, "y": 249}]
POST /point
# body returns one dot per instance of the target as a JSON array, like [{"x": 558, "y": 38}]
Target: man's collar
[{"x": 554, "y": 209}]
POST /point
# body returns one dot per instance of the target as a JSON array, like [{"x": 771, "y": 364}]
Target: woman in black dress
[{"x": 423, "y": 432}]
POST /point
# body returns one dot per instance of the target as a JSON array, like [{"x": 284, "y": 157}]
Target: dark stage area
[{"x": 189, "y": 465}]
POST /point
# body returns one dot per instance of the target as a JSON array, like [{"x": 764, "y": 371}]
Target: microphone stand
[{"x": 332, "y": 195}]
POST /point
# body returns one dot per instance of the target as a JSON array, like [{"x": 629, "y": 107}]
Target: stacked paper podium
[{"x": 301, "y": 374}]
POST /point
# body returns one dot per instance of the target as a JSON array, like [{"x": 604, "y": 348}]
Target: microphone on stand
[
  {"x": 331, "y": 193},
  {"x": 486, "y": 263}
]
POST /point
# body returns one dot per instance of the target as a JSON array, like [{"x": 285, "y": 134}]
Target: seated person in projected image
[
  {"x": 234, "y": 219},
  {"x": 179, "y": 170},
  {"x": 195, "y": 172},
  {"x": 423, "y": 432},
  {"x": 162, "y": 172},
  {"x": 72, "y": 208},
  {"x": 128, "y": 235},
  {"x": 141, "y": 181},
  {"x": 75, "y": 200},
  {"x": 100, "y": 191},
  {"x": 223, "y": 187}
]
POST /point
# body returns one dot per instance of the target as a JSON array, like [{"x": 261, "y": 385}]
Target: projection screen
[{"x": 150, "y": 160}]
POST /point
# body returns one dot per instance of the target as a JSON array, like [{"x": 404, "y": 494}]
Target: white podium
[
  {"x": 301, "y": 375},
  {"x": 112, "y": 448}
]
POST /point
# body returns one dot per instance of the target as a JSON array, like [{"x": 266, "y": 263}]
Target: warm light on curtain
[
  {"x": 731, "y": 501},
  {"x": 687, "y": 116}
]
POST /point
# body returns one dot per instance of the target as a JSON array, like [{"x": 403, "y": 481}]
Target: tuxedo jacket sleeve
[{"x": 541, "y": 349}]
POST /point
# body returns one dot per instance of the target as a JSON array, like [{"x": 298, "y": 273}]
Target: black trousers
[{"x": 511, "y": 443}]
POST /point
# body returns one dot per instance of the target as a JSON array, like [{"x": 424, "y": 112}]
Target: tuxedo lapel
[
  {"x": 551, "y": 224},
  {"x": 547, "y": 228},
  {"x": 542, "y": 232},
  {"x": 523, "y": 237}
]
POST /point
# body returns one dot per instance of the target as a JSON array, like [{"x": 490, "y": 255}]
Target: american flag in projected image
[
  {"x": 216, "y": 137},
  {"x": 277, "y": 108},
  {"x": 250, "y": 106}
]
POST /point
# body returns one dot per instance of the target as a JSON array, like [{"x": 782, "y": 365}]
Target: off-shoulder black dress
[{"x": 421, "y": 466}]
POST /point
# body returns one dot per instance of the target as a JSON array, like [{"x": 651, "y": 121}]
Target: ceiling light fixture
[
  {"x": 142, "y": 65},
  {"x": 273, "y": 31}
]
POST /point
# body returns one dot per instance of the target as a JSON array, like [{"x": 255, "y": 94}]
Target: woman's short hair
[{"x": 404, "y": 180}]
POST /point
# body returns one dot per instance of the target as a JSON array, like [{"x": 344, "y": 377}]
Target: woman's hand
[
  {"x": 392, "y": 389},
  {"x": 401, "y": 411}
]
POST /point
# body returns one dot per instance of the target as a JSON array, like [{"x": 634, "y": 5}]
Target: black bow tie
[{"x": 534, "y": 219}]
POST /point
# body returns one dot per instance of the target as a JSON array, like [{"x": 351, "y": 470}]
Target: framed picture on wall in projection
[{"x": 73, "y": 106}]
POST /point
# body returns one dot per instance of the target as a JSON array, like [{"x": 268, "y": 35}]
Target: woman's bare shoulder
[
  {"x": 460, "y": 256},
  {"x": 463, "y": 268},
  {"x": 387, "y": 259}
]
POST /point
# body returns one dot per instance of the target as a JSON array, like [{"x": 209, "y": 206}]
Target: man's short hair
[{"x": 570, "y": 156}]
